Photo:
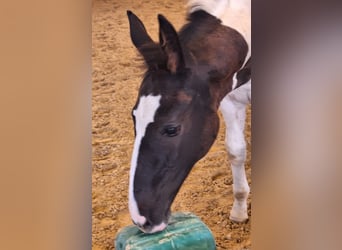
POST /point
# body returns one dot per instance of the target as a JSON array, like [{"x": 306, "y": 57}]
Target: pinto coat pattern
[{"x": 190, "y": 74}]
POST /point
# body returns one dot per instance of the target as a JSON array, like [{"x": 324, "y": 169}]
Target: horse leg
[{"x": 233, "y": 108}]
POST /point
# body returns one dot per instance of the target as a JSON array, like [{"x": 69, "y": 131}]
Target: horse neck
[
  {"x": 212, "y": 75},
  {"x": 209, "y": 81}
]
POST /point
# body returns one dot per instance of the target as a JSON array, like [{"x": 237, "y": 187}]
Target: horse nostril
[
  {"x": 138, "y": 224},
  {"x": 147, "y": 225},
  {"x": 144, "y": 227}
]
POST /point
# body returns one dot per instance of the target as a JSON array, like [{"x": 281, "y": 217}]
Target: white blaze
[{"x": 144, "y": 115}]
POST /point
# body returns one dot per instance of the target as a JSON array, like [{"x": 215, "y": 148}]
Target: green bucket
[{"x": 185, "y": 231}]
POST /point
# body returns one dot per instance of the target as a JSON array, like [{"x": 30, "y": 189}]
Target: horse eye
[{"x": 171, "y": 130}]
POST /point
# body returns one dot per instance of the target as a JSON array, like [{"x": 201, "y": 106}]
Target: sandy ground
[{"x": 117, "y": 73}]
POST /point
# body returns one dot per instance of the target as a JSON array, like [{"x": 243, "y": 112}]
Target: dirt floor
[{"x": 117, "y": 73}]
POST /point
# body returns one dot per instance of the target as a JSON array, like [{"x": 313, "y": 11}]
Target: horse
[{"x": 189, "y": 76}]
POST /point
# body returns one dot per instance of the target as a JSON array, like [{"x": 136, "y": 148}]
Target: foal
[{"x": 189, "y": 76}]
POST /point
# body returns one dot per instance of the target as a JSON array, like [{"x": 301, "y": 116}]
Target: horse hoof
[{"x": 238, "y": 217}]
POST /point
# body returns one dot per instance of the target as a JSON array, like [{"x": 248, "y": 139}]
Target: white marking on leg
[
  {"x": 233, "y": 108},
  {"x": 144, "y": 115}
]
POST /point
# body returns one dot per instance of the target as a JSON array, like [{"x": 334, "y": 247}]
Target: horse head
[{"x": 175, "y": 118}]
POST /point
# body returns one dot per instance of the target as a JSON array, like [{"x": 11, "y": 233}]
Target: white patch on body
[
  {"x": 235, "y": 81},
  {"x": 242, "y": 94},
  {"x": 213, "y": 7},
  {"x": 144, "y": 115},
  {"x": 233, "y": 13}
]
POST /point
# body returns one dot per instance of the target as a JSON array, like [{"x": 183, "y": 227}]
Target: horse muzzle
[{"x": 150, "y": 229}]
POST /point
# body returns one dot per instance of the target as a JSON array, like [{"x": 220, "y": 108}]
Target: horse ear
[
  {"x": 138, "y": 32},
  {"x": 169, "y": 43}
]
